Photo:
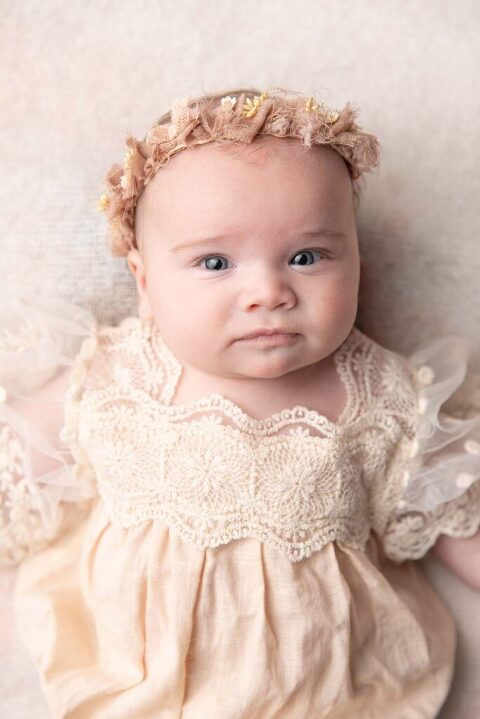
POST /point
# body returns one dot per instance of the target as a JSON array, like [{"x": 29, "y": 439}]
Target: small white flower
[
  {"x": 123, "y": 181},
  {"x": 228, "y": 102},
  {"x": 103, "y": 202},
  {"x": 472, "y": 446},
  {"x": 426, "y": 374},
  {"x": 332, "y": 117},
  {"x": 464, "y": 479}
]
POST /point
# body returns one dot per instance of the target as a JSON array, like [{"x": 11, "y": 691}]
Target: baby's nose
[{"x": 268, "y": 289}]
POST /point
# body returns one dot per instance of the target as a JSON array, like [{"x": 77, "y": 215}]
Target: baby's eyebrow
[{"x": 331, "y": 234}]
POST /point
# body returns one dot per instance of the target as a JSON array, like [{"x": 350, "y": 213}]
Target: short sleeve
[
  {"x": 433, "y": 485},
  {"x": 44, "y": 490}
]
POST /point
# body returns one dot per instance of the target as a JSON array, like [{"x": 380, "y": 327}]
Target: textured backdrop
[{"x": 77, "y": 76}]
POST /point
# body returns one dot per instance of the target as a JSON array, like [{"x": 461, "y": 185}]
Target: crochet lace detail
[
  {"x": 411, "y": 535},
  {"x": 292, "y": 480},
  {"x": 20, "y": 522},
  {"x": 23, "y": 530}
]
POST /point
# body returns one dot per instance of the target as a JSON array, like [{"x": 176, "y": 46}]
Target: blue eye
[
  {"x": 214, "y": 262},
  {"x": 302, "y": 254}
]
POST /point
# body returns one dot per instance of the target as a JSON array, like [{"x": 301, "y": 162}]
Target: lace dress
[{"x": 191, "y": 561}]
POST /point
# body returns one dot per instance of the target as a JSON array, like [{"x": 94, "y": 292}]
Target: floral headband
[{"x": 235, "y": 119}]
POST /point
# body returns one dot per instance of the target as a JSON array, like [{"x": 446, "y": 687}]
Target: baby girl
[{"x": 218, "y": 516}]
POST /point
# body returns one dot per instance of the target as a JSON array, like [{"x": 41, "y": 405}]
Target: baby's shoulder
[
  {"x": 386, "y": 378},
  {"x": 126, "y": 358},
  {"x": 128, "y": 335},
  {"x": 109, "y": 349}
]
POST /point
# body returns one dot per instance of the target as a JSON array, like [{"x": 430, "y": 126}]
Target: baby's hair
[{"x": 234, "y": 119}]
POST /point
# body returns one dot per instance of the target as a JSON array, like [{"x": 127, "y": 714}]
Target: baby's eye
[
  {"x": 214, "y": 262},
  {"x": 303, "y": 254}
]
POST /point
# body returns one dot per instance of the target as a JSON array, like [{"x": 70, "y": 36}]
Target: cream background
[{"x": 77, "y": 76}]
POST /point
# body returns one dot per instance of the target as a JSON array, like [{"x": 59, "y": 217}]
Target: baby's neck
[{"x": 316, "y": 386}]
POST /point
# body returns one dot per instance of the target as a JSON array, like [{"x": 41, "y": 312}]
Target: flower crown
[{"x": 235, "y": 119}]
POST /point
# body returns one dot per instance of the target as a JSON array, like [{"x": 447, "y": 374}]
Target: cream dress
[{"x": 189, "y": 561}]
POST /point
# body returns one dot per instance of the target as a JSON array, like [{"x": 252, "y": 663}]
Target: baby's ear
[{"x": 135, "y": 263}]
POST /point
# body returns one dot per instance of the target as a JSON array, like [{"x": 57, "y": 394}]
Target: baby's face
[{"x": 231, "y": 242}]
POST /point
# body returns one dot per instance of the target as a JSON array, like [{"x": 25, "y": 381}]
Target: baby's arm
[{"x": 462, "y": 556}]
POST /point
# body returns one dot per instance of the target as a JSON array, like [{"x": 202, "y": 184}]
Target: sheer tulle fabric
[
  {"x": 40, "y": 491},
  {"x": 446, "y": 455},
  {"x": 441, "y": 489}
]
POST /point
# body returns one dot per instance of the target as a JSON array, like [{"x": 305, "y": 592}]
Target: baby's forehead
[
  {"x": 188, "y": 171},
  {"x": 267, "y": 147},
  {"x": 198, "y": 161},
  {"x": 262, "y": 148}
]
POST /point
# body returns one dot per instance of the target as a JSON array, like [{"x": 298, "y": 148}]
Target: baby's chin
[{"x": 271, "y": 364}]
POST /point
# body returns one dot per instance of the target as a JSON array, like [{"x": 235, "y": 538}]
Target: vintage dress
[{"x": 191, "y": 561}]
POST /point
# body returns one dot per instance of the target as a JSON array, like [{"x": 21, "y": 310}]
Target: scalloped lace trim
[
  {"x": 209, "y": 532},
  {"x": 412, "y": 535}
]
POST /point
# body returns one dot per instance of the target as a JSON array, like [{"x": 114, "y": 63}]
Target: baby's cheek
[
  {"x": 340, "y": 312},
  {"x": 144, "y": 309},
  {"x": 166, "y": 299},
  {"x": 340, "y": 298}
]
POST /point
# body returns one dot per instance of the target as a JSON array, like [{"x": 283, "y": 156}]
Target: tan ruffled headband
[{"x": 236, "y": 119}]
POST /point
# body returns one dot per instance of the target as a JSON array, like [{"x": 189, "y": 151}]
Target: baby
[
  {"x": 249, "y": 263},
  {"x": 250, "y": 475}
]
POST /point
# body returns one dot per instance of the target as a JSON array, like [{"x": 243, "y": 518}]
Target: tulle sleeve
[
  {"x": 43, "y": 490},
  {"x": 436, "y": 487}
]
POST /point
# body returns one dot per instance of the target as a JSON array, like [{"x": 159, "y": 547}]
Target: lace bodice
[
  {"x": 294, "y": 480},
  {"x": 393, "y": 462}
]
